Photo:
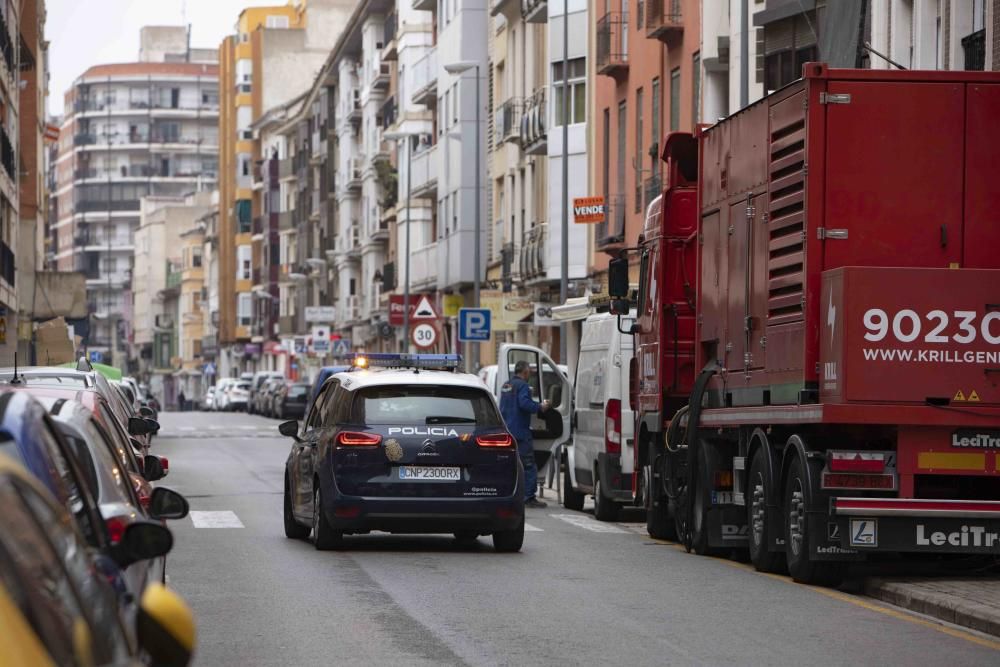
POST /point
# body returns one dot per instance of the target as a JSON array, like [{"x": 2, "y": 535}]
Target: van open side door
[{"x": 551, "y": 428}]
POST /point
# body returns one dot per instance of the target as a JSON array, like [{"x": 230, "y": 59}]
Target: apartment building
[
  {"x": 527, "y": 84},
  {"x": 648, "y": 84},
  {"x": 10, "y": 25},
  {"x": 274, "y": 56},
  {"x": 191, "y": 320},
  {"x": 131, "y": 130}
]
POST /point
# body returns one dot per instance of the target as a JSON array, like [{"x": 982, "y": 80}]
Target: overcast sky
[{"x": 83, "y": 33}]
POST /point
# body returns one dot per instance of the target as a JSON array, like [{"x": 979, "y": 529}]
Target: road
[{"x": 581, "y": 591}]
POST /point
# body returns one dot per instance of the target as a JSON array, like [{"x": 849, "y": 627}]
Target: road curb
[{"x": 948, "y": 607}]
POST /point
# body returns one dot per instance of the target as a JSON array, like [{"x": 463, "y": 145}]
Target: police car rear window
[{"x": 422, "y": 404}]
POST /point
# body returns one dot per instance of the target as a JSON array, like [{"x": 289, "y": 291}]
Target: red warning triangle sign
[{"x": 424, "y": 310}]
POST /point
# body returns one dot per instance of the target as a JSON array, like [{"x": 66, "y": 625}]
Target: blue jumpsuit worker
[{"x": 516, "y": 407}]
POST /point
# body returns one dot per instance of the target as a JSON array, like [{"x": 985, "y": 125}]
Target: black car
[
  {"x": 290, "y": 401},
  {"x": 404, "y": 450}
]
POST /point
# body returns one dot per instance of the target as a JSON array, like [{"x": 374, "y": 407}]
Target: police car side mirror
[{"x": 289, "y": 429}]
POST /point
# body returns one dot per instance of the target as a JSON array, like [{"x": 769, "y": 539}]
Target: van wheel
[
  {"x": 802, "y": 568},
  {"x": 572, "y": 499},
  {"x": 763, "y": 559},
  {"x": 605, "y": 509}
]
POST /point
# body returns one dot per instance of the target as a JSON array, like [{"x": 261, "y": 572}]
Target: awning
[{"x": 574, "y": 309}]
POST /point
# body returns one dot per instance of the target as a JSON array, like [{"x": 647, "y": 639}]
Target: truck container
[{"x": 817, "y": 372}]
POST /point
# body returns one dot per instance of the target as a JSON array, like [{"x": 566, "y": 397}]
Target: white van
[{"x": 599, "y": 459}]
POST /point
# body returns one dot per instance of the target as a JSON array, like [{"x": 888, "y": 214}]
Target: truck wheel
[
  {"x": 572, "y": 499},
  {"x": 605, "y": 509},
  {"x": 757, "y": 492},
  {"x": 699, "y": 493},
  {"x": 802, "y": 568},
  {"x": 659, "y": 514}
]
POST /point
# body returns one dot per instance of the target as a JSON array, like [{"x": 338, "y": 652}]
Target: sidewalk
[{"x": 970, "y": 601}]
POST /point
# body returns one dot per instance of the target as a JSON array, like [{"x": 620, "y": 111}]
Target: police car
[{"x": 404, "y": 444}]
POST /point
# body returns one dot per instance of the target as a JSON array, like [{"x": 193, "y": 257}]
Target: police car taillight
[
  {"x": 355, "y": 439},
  {"x": 495, "y": 440}
]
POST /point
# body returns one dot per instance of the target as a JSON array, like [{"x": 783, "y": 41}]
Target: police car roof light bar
[{"x": 403, "y": 360}]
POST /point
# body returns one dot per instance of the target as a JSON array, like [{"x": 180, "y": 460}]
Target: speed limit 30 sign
[{"x": 424, "y": 335}]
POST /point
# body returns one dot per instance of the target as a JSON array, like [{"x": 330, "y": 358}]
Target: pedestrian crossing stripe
[{"x": 528, "y": 528}]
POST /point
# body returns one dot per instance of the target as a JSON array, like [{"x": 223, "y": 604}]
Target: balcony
[
  {"x": 424, "y": 267},
  {"x": 663, "y": 20},
  {"x": 7, "y": 154},
  {"x": 387, "y": 114},
  {"x": 424, "y": 171},
  {"x": 501, "y": 6},
  {"x": 389, "y": 51},
  {"x": 425, "y": 76},
  {"x": 286, "y": 221},
  {"x": 652, "y": 187},
  {"x": 532, "y": 253},
  {"x": 7, "y": 264},
  {"x": 508, "y": 260},
  {"x": 425, "y": 5},
  {"x": 974, "y": 46},
  {"x": 609, "y": 235},
  {"x": 612, "y": 44},
  {"x": 352, "y": 178},
  {"x": 535, "y": 11},
  {"x": 508, "y": 118},
  {"x": 285, "y": 170},
  {"x": 533, "y": 125},
  {"x": 383, "y": 76},
  {"x": 354, "y": 108}
]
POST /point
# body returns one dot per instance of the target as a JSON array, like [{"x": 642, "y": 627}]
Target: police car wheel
[
  {"x": 323, "y": 535},
  {"x": 293, "y": 529},
  {"x": 802, "y": 568},
  {"x": 509, "y": 541}
]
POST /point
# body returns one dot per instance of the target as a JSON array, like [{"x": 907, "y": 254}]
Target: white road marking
[
  {"x": 585, "y": 522},
  {"x": 528, "y": 528},
  {"x": 224, "y": 519},
  {"x": 187, "y": 428}
]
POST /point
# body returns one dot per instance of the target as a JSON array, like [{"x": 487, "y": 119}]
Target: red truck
[{"x": 817, "y": 366}]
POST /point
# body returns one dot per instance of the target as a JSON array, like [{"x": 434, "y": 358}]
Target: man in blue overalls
[{"x": 517, "y": 406}]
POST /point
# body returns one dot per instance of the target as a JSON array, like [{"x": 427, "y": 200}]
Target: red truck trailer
[{"x": 817, "y": 371}]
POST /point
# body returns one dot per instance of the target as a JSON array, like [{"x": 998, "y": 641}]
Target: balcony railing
[
  {"x": 7, "y": 154},
  {"x": 533, "y": 252},
  {"x": 389, "y": 51},
  {"x": 424, "y": 268},
  {"x": 388, "y": 113},
  {"x": 612, "y": 43},
  {"x": 974, "y": 46},
  {"x": 612, "y": 231},
  {"x": 508, "y": 118},
  {"x": 425, "y": 75},
  {"x": 663, "y": 19},
  {"x": 535, "y": 11},
  {"x": 6, "y": 44},
  {"x": 534, "y": 124}
]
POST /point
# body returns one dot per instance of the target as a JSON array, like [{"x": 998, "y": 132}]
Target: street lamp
[
  {"x": 459, "y": 68},
  {"x": 398, "y": 136}
]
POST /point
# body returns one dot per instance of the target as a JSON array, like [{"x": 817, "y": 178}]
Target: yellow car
[{"x": 56, "y": 605}]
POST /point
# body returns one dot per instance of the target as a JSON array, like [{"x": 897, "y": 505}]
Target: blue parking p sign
[{"x": 473, "y": 325}]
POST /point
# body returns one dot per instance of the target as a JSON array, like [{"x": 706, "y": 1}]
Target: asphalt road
[{"x": 580, "y": 592}]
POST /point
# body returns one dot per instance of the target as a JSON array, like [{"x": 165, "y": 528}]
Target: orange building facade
[{"x": 646, "y": 74}]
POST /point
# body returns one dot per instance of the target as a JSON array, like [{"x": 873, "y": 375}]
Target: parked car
[
  {"x": 599, "y": 458},
  {"x": 290, "y": 400},
  {"x": 222, "y": 394},
  {"x": 208, "y": 400},
  {"x": 267, "y": 392},
  {"x": 324, "y": 373},
  {"x": 56, "y": 605},
  {"x": 256, "y": 405},
  {"x": 239, "y": 393}
]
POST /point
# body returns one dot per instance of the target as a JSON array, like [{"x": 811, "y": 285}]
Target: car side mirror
[
  {"x": 167, "y": 504},
  {"x": 152, "y": 468},
  {"x": 289, "y": 429},
  {"x": 165, "y": 626},
  {"x": 138, "y": 426},
  {"x": 143, "y": 540},
  {"x": 618, "y": 279},
  {"x": 145, "y": 411},
  {"x": 154, "y": 426}
]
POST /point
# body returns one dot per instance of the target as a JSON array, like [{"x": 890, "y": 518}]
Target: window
[
  {"x": 423, "y": 404},
  {"x": 654, "y": 122},
  {"x": 196, "y": 257},
  {"x": 622, "y": 149},
  {"x": 696, "y": 83},
  {"x": 244, "y": 210},
  {"x": 577, "y": 68},
  {"x": 210, "y": 98},
  {"x": 244, "y": 309},
  {"x": 244, "y": 261},
  {"x": 675, "y": 99},
  {"x": 276, "y": 22},
  {"x": 783, "y": 67},
  {"x": 638, "y": 149}
]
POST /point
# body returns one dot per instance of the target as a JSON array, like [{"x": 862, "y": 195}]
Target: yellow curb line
[{"x": 864, "y": 604}]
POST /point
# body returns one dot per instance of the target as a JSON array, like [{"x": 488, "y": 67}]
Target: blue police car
[{"x": 403, "y": 444}]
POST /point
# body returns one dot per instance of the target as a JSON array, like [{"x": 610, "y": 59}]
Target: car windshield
[
  {"x": 243, "y": 385},
  {"x": 423, "y": 404},
  {"x": 298, "y": 390}
]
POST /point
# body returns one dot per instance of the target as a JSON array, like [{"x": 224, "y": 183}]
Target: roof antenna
[{"x": 15, "y": 379}]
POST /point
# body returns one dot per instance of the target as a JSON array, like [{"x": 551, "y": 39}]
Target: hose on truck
[{"x": 685, "y": 507}]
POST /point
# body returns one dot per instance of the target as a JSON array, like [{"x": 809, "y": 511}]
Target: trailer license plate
[{"x": 429, "y": 474}]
